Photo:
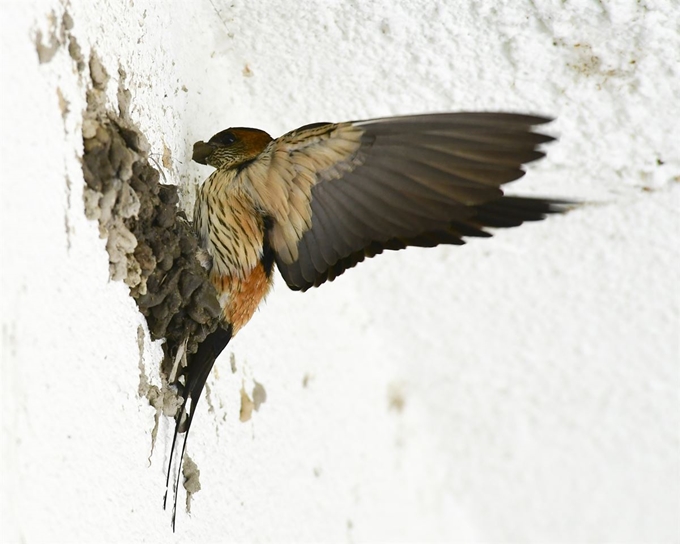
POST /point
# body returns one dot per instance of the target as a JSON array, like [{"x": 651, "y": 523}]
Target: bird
[{"x": 320, "y": 199}]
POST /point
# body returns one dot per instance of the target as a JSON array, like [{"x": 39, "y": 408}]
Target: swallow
[{"x": 321, "y": 199}]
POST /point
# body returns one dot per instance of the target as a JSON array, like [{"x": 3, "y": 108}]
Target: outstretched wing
[{"x": 338, "y": 193}]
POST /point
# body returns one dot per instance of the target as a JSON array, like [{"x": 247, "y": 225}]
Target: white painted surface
[{"x": 539, "y": 370}]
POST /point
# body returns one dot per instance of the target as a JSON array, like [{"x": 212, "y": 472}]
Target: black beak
[{"x": 202, "y": 151}]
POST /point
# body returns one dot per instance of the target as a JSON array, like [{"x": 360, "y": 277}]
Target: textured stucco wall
[{"x": 520, "y": 389}]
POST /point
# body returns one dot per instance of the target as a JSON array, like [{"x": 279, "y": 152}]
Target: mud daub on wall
[{"x": 151, "y": 245}]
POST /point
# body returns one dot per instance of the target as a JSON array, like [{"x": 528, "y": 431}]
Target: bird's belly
[{"x": 240, "y": 297}]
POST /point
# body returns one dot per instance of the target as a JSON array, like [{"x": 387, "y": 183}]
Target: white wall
[{"x": 538, "y": 370}]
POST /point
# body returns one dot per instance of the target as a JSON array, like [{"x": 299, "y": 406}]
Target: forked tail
[{"x": 198, "y": 368}]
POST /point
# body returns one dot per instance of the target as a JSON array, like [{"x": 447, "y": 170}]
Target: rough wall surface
[{"x": 519, "y": 389}]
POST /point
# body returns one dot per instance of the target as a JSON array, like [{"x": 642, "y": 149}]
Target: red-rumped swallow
[{"x": 322, "y": 198}]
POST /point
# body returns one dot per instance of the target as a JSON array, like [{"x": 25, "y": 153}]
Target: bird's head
[{"x": 231, "y": 147}]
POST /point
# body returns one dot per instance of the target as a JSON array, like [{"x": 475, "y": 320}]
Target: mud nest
[{"x": 152, "y": 246}]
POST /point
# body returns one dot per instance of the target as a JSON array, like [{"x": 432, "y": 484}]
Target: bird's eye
[{"x": 226, "y": 137}]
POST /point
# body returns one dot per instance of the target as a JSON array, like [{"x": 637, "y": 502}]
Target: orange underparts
[{"x": 242, "y": 296}]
